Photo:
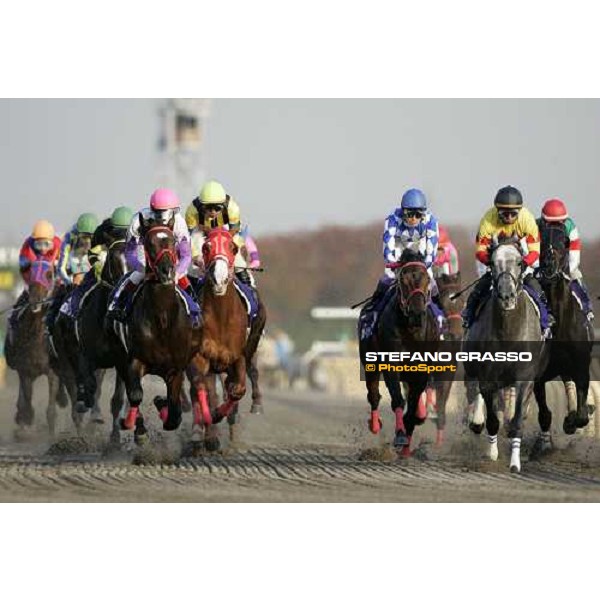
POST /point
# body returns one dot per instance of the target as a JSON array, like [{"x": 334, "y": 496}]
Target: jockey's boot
[
  {"x": 479, "y": 292},
  {"x": 382, "y": 287},
  {"x": 117, "y": 312},
  {"x": 245, "y": 277},
  {"x": 585, "y": 298},
  {"x": 531, "y": 282},
  {"x": 52, "y": 313},
  {"x": 15, "y": 314}
]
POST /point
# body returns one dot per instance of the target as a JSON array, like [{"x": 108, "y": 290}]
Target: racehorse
[
  {"x": 160, "y": 337},
  {"x": 228, "y": 342},
  {"x": 25, "y": 349},
  {"x": 572, "y": 340},
  {"x": 508, "y": 321},
  {"x": 448, "y": 285},
  {"x": 404, "y": 325},
  {"x": 87, "y": 345}
]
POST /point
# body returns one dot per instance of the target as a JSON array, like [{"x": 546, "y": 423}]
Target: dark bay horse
[
  {"x": 572, "y": 339},
  {"x": 88, "y": 347},
  {"x": 404, "y": 325},
  {"x": 448, "y": 285},
  {"x": 228, "y": 343},
  {"x": 25, "y": 348},
  {"x": 508, "y": 321},
  {"x": 160, "y": 337}
]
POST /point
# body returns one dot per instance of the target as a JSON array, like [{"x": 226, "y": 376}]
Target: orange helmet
[
  {"x": 43, "y": 230},
  {"x": 554, "y": 210},
  {"x": 444, "y": 237}
]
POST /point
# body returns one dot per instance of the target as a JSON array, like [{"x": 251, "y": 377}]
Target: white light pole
[{"x": 182, "y": 145}]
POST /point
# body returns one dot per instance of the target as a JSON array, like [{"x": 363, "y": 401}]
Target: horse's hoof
[
  {"x": 160, "y": 402},
  {"x": 62, "y": 398},
  {"x": 591, "y": 409},
  {"x": 81, "y": 407},
  {"x": 476, "y": 427},
  {"x": 570, "y": 424},
  {"x": 97, "y": 418},
  {"x": 141, "y": 439},
  {"x": 257, "y": 409},
  {"x": 515, "y": 469},
  {"x": 172, "y": 424},
  {"x": 582, "y": 422},
  {"x": 401, "y": 440},
  {"x": 212, "y": 444},
  {"x": 115, "y": 439},
  {"x": 405, "y": 452}
]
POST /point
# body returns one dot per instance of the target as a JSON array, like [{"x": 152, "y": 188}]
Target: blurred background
[{"x": 315, "y": 180}]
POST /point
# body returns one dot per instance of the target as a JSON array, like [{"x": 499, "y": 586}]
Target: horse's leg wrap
[
  {"x": 400, "y": 420},
  {"x": 375, "y": 422},
  {"x": 202, "y": 410},
  {"x": 131, "y": 418},
  {"x": 224, "y": 410}
]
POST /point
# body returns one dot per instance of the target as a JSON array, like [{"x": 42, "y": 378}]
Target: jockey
[
  {"x": 42, "y": 244},
  {"x": 506, "y": 219},
  {"x": 164, "y": 209},
  {"x": 73, "y": 259},
  {"x": 215, "y": 208},
  {"x": 109, "y": 231},
  {"x": 412, "y": 226},
  {"x": 73, "y": 262},
  {"x": 555, "y": 211},
  {"x": 446, "y": 261}
]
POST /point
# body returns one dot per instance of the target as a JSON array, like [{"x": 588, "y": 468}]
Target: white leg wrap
[
  {"x": 515, "y": 455},
  {"x": 493, "y": 440}
]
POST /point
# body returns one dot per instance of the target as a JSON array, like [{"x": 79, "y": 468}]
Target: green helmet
[
  {"x": 87, "y": 223},
  {"x": 121, "y": 217}
]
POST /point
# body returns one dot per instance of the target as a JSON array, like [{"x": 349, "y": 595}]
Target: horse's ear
[{"x": 171, "y": 223}]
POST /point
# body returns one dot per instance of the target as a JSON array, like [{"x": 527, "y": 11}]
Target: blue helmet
[{"x": 414, "y": 199}]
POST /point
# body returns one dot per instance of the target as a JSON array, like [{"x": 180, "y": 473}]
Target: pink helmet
[{"x": 164, "y": 199}]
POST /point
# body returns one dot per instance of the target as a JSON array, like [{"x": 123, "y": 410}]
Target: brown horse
[
  {"x": 404, "y": 325},
  {"x": 160, "y": 337},
  {"x": 25, "y": 348},
  {"x": 228, "y": 345},
  {"x": 448, "y": 285}
]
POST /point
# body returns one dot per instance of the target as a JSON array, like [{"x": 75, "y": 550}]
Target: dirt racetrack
[{"x": 305, "y": 448}]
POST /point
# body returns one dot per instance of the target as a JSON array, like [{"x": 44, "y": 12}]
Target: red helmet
[
  {"x": 444, "y": 236},
  {"x": 554, "y": 210}
]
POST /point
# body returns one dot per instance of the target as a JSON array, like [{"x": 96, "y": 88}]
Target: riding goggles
[
  {"x": 413, "y": 214},
  {"x": 164, "y": 216},
  {"x": 507, "y": 213},
  {"x": 42, "y": 245},
  {"x": 214, "y": 207}
]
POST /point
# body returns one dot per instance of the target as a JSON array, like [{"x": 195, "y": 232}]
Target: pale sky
[{"x": 304, "y": 163}]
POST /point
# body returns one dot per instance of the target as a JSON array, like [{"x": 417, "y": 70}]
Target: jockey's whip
[
  {"x": 255, "y": 269},
  {"x": 11, "y": 308},
  {"x": 361, "y": 302},
  {"x": 461, "y": 292}
]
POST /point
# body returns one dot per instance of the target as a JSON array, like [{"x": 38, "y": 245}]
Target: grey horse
[{"x": 508, "y": 321}]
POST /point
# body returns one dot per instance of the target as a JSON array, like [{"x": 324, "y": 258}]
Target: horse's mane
[
  {"x": 555, "y": 234},
  {"x": 409, "y": 255}
]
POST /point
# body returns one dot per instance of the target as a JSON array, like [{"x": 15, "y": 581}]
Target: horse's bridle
[
  {"x": 404, "y": 300},
  {"x": 556, "y": 264},
  {"x": 170, "y": 252},
  {"x": 109, "y": 267}
]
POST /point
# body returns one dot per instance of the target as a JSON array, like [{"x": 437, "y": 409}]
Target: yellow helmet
[
  {"x": 43, "y": 230},
  {"x": 212, "y": 193}
]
